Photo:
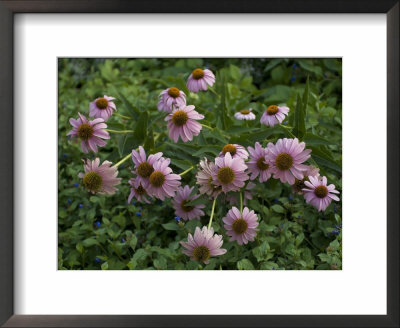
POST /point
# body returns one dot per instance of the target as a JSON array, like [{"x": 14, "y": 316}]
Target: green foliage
[{"x": 97, "y": 232}]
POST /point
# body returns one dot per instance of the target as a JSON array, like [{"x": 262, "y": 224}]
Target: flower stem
[
  {"x": 119, "y": 131},
  {"x": 214, "y": 92},
  {"x": 186, "y": 171},
  {"x": 123, "y": 160},
  {"x": 207, "y": 126},
  {"x": 287, "y": 130},
  {"x": 212, "y": 212},
  {"x": 241, "y": 203},
  {"x": 123, "y": 116}
]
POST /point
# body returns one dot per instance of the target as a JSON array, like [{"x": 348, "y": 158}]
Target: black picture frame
[{"x": 7, "y": 11}]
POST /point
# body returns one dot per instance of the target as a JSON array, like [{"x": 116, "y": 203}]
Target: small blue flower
[
  {"x": 285, "y": 123},
  {"x": 294, "y": 65},
  {"x": 276, "y": 200},
  {"x": 65, "y": 155},
  {"x": 325, "y": 76},
  {"x": 97, "y": 224},
  {"x": 292, "y": 79},
  {"x": 69, "y": 201},
  {"x": 177, "y": 218},
  {"x": 140, "y": 207},
  {"x": 134, "y": 202},
  {"x": 150, "y": 198},
  {"x": 80, "y": 205},
  {"x": 122, "y": 240},
  {"x": 290, "y": 198},
  {"x": 335, "y": 232},
  {"x": 138, "y": 214},
  {"x": 76, "y": 185},
  {"x": 97, "y": 260}
]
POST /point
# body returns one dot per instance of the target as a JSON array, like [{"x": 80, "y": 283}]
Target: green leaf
[
  {"x": 149, "y": 143},
  {"x": 170, "y": 226},
  {"x": 314, "y": 140},
  {"x": 90, "y": 242},
  {"x": 214, "y": 150},
  {"x": 132, "y": 110},
  {"x": 140, "y": 131},
  {"x": 278, "y": 208},
  {"x": 299, "y": 128},
  {"x": 272, "y": 64},
  {"x": 245, "y": 264},
  {"x": 305, "y": 95},
  {"x": 323, "y": 159}
]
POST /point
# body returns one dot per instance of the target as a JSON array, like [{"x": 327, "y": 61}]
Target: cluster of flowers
[{"x": 231, "y": 172}]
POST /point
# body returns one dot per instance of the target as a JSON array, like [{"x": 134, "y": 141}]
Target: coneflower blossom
[
  {"x": 89, "y": 132},
  {"x": 299, "y": 185},
  {"x": 274, "y": 115},
  {"x": 241, "y": 226},
  {"x": 204, "y": 179},
  {"x": 203, "y": 245},
  {"x": 143, "y": 166},
  {"x": 170, "y": 98},
  {"x": 162, "y": 182},
  {"x": 236, "y": 151},
  {"x": 182, "y": 123},
  {"x": 245, "y": 114},
  {"x": 138, "y": 191},
  {"x": 230, "y": 174},
  {"x": 318, "y": 194},
  {"x": 102, "y": 107},
  {"x": 98, "y": 178},
  {"x": 199, "y": 79},
  {"x": 184, "y": 211},
  {"x": 259, "y": 164},
  {"x": 286, "y": 158}
]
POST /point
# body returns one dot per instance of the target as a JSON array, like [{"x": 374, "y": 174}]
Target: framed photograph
[{"x": 167, "y": 164}]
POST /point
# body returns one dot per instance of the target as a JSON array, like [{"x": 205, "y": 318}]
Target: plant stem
[
  {"x": 207, "y": 126},
  {"x": 123, "y": 160},
  {"x": 186, "y": 171},
  {"x": 212, "y": 212},
  {"x": 121, "y": 131},
  {"x": 123, "y": 116},
  {"x": 241, "y": 202}
]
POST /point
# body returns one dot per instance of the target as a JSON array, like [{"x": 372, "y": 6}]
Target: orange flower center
[
  {"x": 229, "y": 148},
  {"x": 198, "y": 73},
  {"x": 174, "y": 92},
  {"x": 283, "y": 161},
  {"x": 145, "y": 169},
  {"x": 272, "y": 110},
  {"x": 201, "y": 253},
  {"x": 140, "y": 190},
  {"x": 179, "y": 118},
  {"x": 240, "y": 226},
  {"x": 226, "y": 175},
  {"x": 261, "y": 164},
  {"x": 244, "y": 111},
  {"x": 85, "y": 131},
  {"x": 102, "y": 103},
  {"x": 321, "y": 191},
  {"x": 92, "y": 181},
  {"x": 186, "y": 208},
  {"x": 157, "y": 179}
]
